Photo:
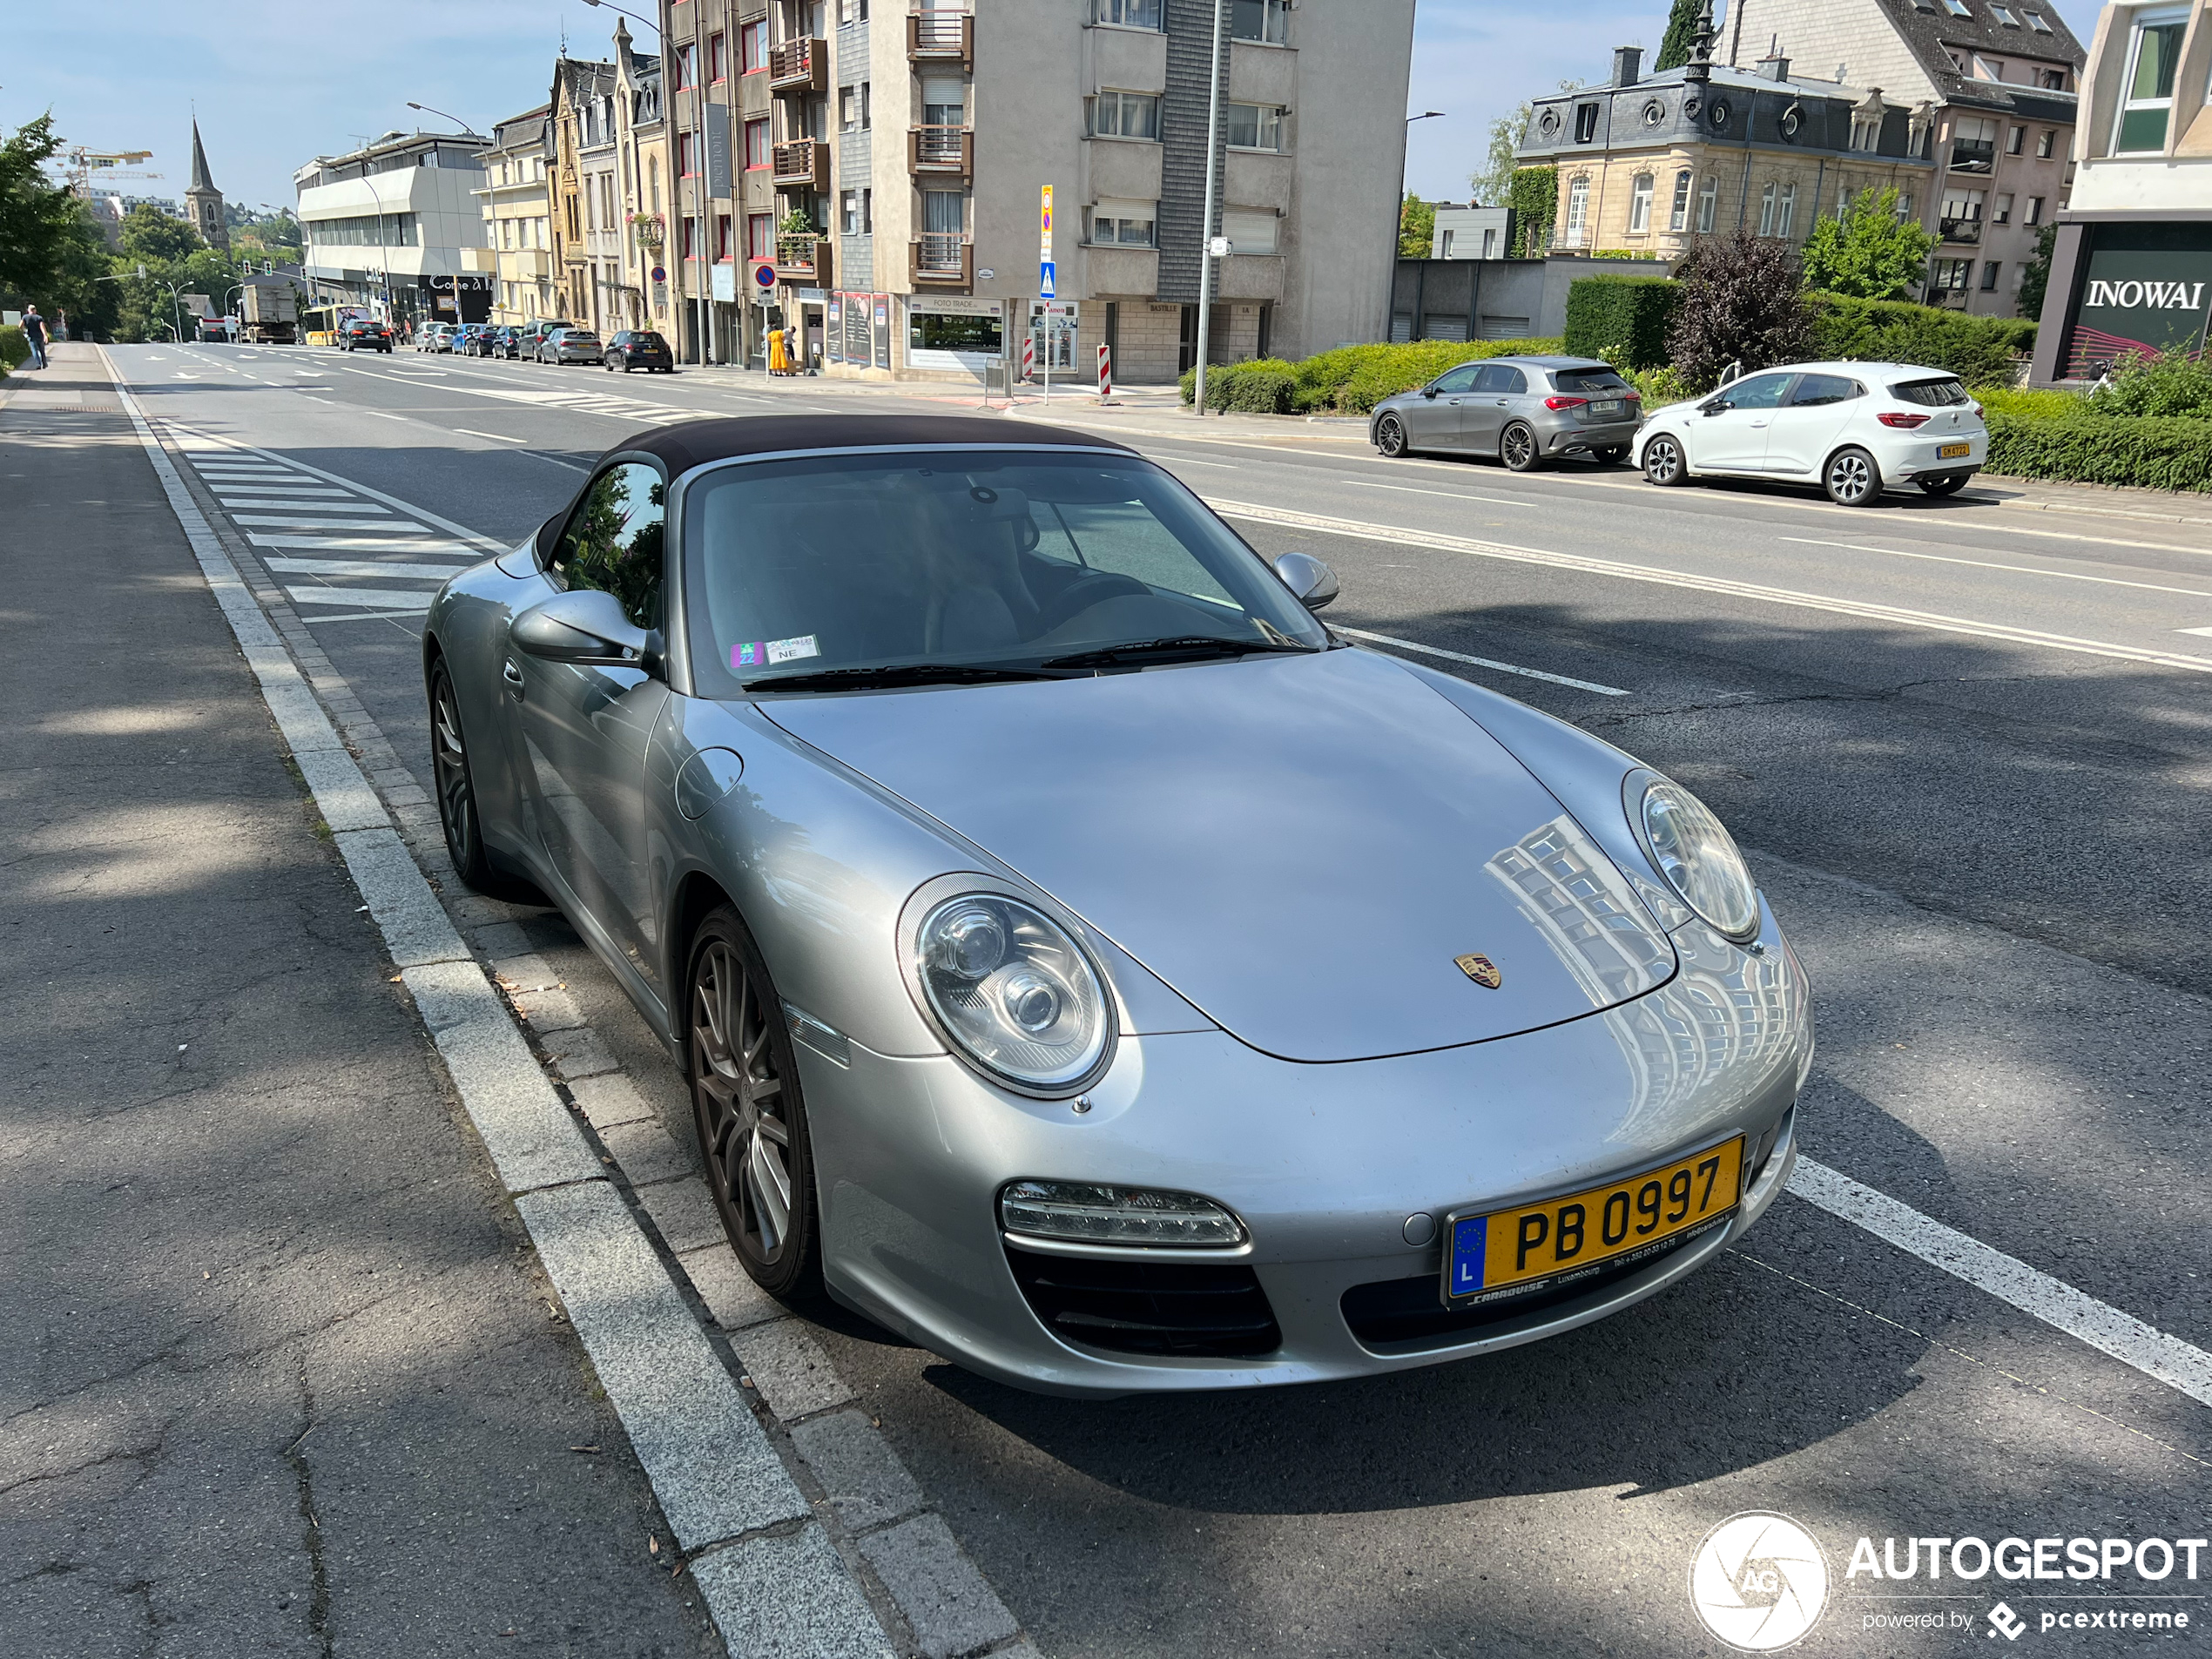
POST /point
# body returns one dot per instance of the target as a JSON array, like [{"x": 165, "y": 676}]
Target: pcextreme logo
[{"x": 1758, "y": 1582}]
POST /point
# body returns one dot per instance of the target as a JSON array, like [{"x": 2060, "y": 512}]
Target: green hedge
[
  {"x": 1980, "y": 351},
  {"x": 1533, "y": 197},
  {"x": 1621, "y": 318},
  {"x": 2148, "y": 451},
  {"x": 1351, "y": 380},
  {"x": 15, "y": 349}
]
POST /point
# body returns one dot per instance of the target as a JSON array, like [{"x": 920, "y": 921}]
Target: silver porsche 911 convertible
[{"x": 1083, "y": 961}]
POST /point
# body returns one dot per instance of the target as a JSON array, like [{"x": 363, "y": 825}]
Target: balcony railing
[
  {"x": 800, "y": 258},
  {"x": 800, "y": 65},
  {"x": 941, "y": 148},
  {"x": 1961, "y": 229},
  {"x": 941, "y": 37},
  {"x": 1973, "y": 155},
  {"x": 944, "y": 258},
  {"x": 802, "y": 166}
]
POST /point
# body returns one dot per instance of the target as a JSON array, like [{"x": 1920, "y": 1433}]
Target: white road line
[
  {"x": 395, "y": 569},
  {"x": 364, "y": 615},
  {"x": 1449, "y": 495},
  {"x": 385, "y": 599},
  {"x": 2167, "y": 1358},
  {"x": 301, "y": 521},
  {"x": 1895, "y": 615},
  {"x": 333, "y": 502},
  {"x": 719, "y": 1479},
  {"x": 460, "y": 531},
  {"x": 362, "y": 544},
  {"x": 2204, "y": 632},
  {"x": 306, "y": 490},
  {"x": 497, "y": 437},
  {"x": 1484, "y": 662},
  {"x": 1986, "y": 564}
]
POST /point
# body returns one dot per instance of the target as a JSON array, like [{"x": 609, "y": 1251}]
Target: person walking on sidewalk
[{"x": 34, "y": 330}]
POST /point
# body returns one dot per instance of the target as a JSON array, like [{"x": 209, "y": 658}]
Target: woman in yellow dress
[{"x": 779, "y": 354}]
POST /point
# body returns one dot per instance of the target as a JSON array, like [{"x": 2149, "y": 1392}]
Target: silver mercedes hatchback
[{"x": 1525, "y": 411}]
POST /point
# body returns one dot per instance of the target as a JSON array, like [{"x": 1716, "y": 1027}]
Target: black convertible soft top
[{"x": 694, "y": 444}]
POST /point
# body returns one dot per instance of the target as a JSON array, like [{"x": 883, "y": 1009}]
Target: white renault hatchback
[{"x": 1854, "y": 429}]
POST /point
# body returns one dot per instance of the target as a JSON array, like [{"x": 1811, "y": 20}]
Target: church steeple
[{"x": 202, "y": 200}]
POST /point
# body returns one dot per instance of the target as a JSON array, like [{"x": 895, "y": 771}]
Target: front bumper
[{"x": 1325, "y": 1163}]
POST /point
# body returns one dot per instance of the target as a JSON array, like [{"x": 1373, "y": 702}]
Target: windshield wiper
[
  {"x": 892, "y": 674},
  {"x": 1180, "y": 644}
]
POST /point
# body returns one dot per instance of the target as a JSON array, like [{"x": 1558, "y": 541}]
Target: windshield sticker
[
  {"x": 789, "y": 651},
  {"x": 751, "y": 654}
]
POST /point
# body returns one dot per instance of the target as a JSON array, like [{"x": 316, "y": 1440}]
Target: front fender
[{"x": 466, "y": 626}]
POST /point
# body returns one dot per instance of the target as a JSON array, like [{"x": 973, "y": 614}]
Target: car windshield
[
  {"x": 653, "y": 340},
  {"x": 1944, "y": 394},
  {"x": 965, "y": 563},
  {"x": 1589, "y": 382},
  {"x": 577, "y": 336}
]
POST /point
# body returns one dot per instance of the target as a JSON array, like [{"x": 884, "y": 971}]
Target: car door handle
[
  {"x": 512, "y": 676},
  {"x": 1501, "y": 403},
  {"x": 1758, "y": 424}
]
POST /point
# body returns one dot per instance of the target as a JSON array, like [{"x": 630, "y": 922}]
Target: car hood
[{"x": 1301, "y": 846}]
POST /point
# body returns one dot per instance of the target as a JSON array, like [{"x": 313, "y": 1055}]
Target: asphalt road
[{"x": 1963, "y": 744}]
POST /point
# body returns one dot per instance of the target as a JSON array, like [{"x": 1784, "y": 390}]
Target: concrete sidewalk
[{"x": 278, "y": 1373}]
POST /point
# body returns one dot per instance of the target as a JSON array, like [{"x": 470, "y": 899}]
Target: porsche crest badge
[{"x": 1481, "y": 970}]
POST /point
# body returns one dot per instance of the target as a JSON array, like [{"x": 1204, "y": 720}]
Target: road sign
[
  {"x": 1044, "y": 221},
  {"x": 764, "y": 275},
  {"x": 660, "y": 274},
  {"x": 1045, "y": 279}
]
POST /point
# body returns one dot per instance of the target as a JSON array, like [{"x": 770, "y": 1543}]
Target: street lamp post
[
  {"x": 1390, "y": 303},
  {"x": 1205, "y": 231}
]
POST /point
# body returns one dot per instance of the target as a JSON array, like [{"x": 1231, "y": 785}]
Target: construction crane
[{"x": 82, "y": 162}]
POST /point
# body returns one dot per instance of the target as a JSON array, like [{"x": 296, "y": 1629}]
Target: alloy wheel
[
  {"x": 744, "y": 1130},
  {"x": 1517, "y": 447},
  {"x": 1662, "y": 461},
  {"x": 449, "y": 766},
  {"x": 1852, "y": 479},
  {"x": 1390, "y": 436}
]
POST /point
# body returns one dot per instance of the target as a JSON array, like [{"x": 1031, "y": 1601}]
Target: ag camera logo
[{"x": 1758, "y": 1582}]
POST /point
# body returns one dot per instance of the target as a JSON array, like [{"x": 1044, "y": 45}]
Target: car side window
[
  {"x": 1502, "y": 378},
  {"x": 1813, "y": 390},
  {"x": 614, "y": 539},
  {"x": 1457, "y": 380},
  {"x": 1760, "y": 392}
]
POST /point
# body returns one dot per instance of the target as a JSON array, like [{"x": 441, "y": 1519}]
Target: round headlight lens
[
  {"x": 1011, "y": 986},
  {"x": 1699, "y": 860}
]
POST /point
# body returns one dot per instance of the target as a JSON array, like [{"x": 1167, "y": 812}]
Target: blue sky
[{"x": 275, "y": 88}]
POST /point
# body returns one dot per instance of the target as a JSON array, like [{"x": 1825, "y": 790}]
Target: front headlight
[
  {"x": 1698, "y": 859},
  {"x": 1013, "y": 990}
]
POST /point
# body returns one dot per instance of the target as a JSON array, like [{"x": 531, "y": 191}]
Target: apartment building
[
  {"x": 893, "y": 155},
  {"x": 2000, "y": 82},
  {"x": 584, "y": 194},
  {"x": 519, "y": 224},
  {"x": 641, "y": 173},
  {"x": 1646, "y": 163},
  {"x": 397, "y": 226},
  {"x": 2131, "y": 266}
]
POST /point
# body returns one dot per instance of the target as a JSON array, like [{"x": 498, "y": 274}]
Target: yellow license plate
[
  {"x": 1537, "y": 1247},
  {"x": 1954, "y": 451}
]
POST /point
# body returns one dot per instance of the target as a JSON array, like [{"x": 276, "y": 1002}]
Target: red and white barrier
[
  {"x": 1105, "y": 373},
  {"x": 1028, "y": 357}
]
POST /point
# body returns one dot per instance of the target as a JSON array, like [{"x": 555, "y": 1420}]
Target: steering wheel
[{"x": 1087, "y": 589}]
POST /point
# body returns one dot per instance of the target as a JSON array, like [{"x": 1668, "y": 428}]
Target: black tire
[
  {"x": 1611, "y": 455},
  {"x": 1852, "y": 478},
  {"x": 745, "y": 1104},
  {"x": 1950, "y": 486},
  {"x": 1665, "y": 464},
  {"x": 1518, "y": 449},
  {"x": 1389, "y": 438},
  {"x": 456, "y": 791}
]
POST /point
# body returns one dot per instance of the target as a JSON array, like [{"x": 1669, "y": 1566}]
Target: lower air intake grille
[
  {"x": 1406, "y": 1315},
  {"x": 1191, "y": 1309}
]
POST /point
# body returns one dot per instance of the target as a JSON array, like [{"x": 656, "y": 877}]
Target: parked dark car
[
  {"x": 364, "y": 334},
  {"x": 638, "y": 348},
  {"x": 506, "y": 341},
  {"x": 532, "y": 336},
  {"x": 1526, "y": 411}
]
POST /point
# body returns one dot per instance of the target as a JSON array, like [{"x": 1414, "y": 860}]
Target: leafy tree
[
  {"x": 1740, "y": 302},
  {"x": 153, "y": 236},
  {"x": 35, "y": 214},
  {"x": 1416, "y": 228},
  {"x": 1494, "y": 183},
  {"x": 91, "y": 306},
  {"x": 2035, "y": 277},
  {"x": 1682, "y": 34},
  {"x": 1870, "y": 253}
]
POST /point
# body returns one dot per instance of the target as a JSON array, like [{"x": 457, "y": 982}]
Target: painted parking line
[
  {"x": 391, "y": 571},
  {"x": 1483, "y": 662},
  {"x": 497, "y": 437},
  {"x": 382, "y": 598},
  {"x": 2167, "y": 1358},
  {"x": 280, "y": 520},
  {"x": 1897, "y": 616}
]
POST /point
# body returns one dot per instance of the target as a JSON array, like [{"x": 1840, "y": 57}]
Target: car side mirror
[
  {"x": 1428, "y": 391},
  {"x": 1314, "y": 582},
  {"x": 1718, "y": 406},
  {"x": 585, "y": 626}
]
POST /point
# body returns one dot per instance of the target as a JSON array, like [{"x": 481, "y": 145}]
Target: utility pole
[{"x": 1213, "y": 185}]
